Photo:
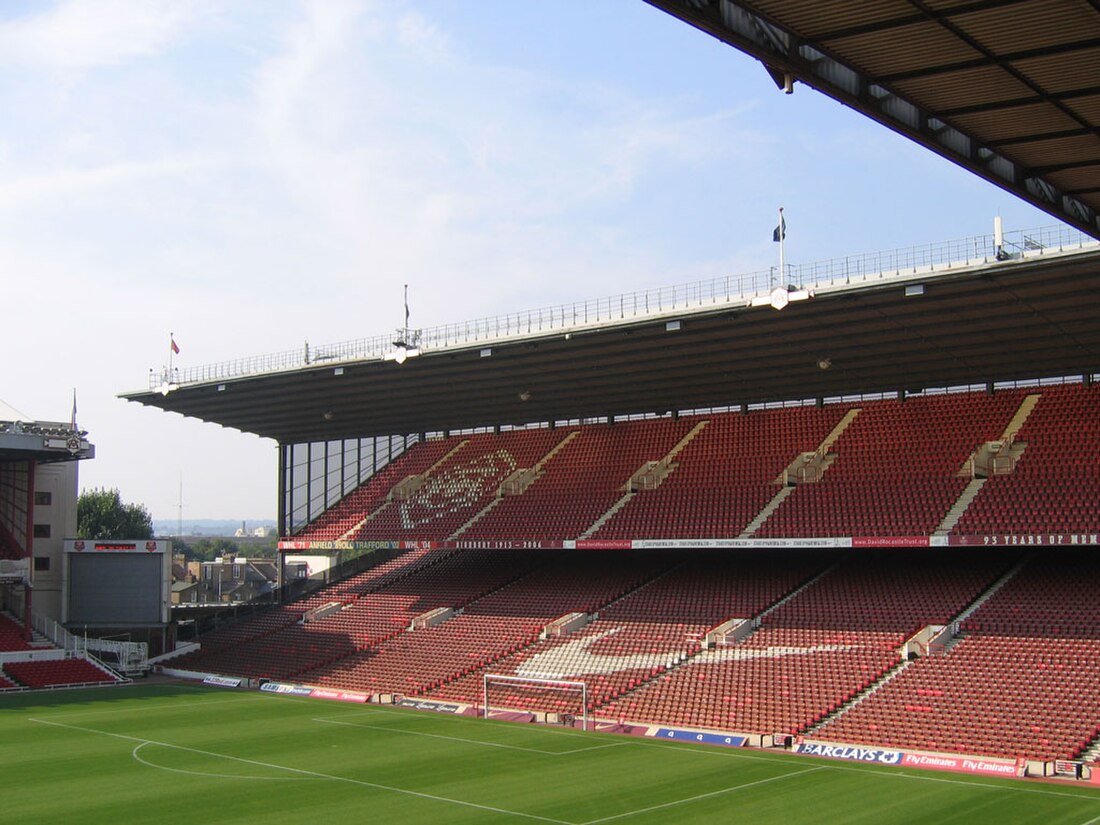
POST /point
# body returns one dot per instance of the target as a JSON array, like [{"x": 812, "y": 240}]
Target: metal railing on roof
[{"x": 933, "y": 258}]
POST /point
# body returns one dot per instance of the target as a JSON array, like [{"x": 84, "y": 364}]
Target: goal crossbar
[{"x": 564, "y": 686}]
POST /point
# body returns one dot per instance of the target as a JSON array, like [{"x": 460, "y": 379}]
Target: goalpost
[{"x": 546, "y": 695}]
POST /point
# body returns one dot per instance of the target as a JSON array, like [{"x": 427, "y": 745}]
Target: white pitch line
[
  {"x": 190, "y": 704},
  {"x": 697, "y": 797},
  {"x": 539, "y": 751},
  {"x": 358, "y": 715},
  {"x": 730, "y": 754},
  {"x": 920, "y": 777},
  {"x": 548, "y": 731},
  {"x": 944, "y": 780},
  {"x": 204, "y": 774},
  {"x": 314, "y": 774},
  {"x": 1092, "y": 821}
]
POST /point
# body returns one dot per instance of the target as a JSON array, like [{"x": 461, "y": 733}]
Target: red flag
[{"x": 175, "y": 346}]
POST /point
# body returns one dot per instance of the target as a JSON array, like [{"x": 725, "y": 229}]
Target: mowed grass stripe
[
  {"x": 291, "y": 769},
  {"x": 542, "y": 751},
  {"x": 585, "y": 785},
  {"x": 413, "y": 766}
]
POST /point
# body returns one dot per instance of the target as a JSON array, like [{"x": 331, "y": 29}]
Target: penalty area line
[
  {"x": 190, "y": 704},
  {"x": 708, "y": 795},
  {"x": 135, "y": 753},
  {"x": 501, "y": 745},
  {"x": 887, "y": 772},
  {"x": 314, "y": 774}
]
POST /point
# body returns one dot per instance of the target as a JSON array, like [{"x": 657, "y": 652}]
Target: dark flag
[{"x": 780, "y": 232}]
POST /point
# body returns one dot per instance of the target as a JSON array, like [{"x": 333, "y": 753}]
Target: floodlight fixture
[{"x": 779, "y": 297}]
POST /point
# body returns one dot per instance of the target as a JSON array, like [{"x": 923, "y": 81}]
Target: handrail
[
  {"x": 131, "y": 655},
  {"x": 834, "y": 272}
]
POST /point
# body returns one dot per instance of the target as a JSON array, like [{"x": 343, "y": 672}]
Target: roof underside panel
[
  {"x": 1018, "y": 320},
  {"x": 1009, "y": 89}
]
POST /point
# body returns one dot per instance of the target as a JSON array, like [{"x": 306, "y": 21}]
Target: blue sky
[{"x": 252, "y": 175}]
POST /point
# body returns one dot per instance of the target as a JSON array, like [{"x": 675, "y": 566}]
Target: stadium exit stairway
[
  {"x": 974, "y": 487},
  {"x": 895, "y": 671},
  {"x": 666, "y": 465},
  {"x": 826, "y": 458}
]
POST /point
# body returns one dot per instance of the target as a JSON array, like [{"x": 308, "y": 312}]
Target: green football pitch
[{"x": 184, "y": 754}]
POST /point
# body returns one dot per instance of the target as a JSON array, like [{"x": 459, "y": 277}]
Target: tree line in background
[
  {"x": 102, "y": 514},
  {"x": 208, "y": 549}
]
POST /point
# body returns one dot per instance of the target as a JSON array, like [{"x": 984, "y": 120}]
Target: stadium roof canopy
[
  {"x": 22, "y": 438},
  {"x": 1030, "y": 316},
  {"x": 1009, "y": 89}
]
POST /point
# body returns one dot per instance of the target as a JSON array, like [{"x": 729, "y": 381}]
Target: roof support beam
[{"x": 734, "y": 23}]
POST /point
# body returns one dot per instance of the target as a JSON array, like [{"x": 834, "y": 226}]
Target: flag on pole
[
  {"x": 72, "y": 422},
  {"x": 780, "y": 231},
  {"x": 406, "y": 306},
  {"x": 175, "y": 346}
]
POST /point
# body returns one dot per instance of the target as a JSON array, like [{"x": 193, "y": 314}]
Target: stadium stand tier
[
  {"x": 32, "y": 672},
  {"x": 57, "y": 673},
  {"x": 1055, "y": 485},
  {"x": 805, "y": 643},
  {"x": 1023, "y": 680},
  {"x": 1019, "y": 461},
  {"x": 11, "y": 635},
  {"x": 962, "y": 649}
]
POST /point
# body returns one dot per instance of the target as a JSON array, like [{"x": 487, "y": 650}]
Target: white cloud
[
  {"x": 77, "y": 34},
  {"x": 49, "y": 186},
  {"x": 420, "y": 163},
  {"x": 416, "y": 31},
  {"x": 250, "y": 175}
]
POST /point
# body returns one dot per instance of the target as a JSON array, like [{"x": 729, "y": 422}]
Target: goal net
[{"x": 561, "y": 701}]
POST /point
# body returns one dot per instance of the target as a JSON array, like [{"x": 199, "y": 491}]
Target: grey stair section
[
  {"x": 820, "y": 458},
  {"x": 367, "y": 518},
  {"x": 606, "y": 517},
  {"x": 389, "y": 498},
  {"x": 1021, "y": 416},
  {"x": 866, "y": 693},
  {"x": 959, "y": 508},
  {"x": 703, "y": 649},
  {"x": 797, "y": 591},
  {"x": 766, "y": 513},
  {"x": 632, "y": 591},
  {"x": 687, "y": 439},
  {"x": 824, "y": 461},
  {"x": 1092, "y": 752},
  {"x": 898, "y": 668},
  {"x": 984, "y": 455},
  {"x": 499, "y": 497},
  {"x": 666, "y": 468},
  {"x": 839, "y": 429},
  {"x": 952, "y": 628},
  {"x": 989, "y": 591},
  {"x": 478, "y": 516}
]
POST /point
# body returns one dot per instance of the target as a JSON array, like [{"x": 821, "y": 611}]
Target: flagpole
[
  {"x": 171, "y": 351},
  {"x": 782, "y": 241}
]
